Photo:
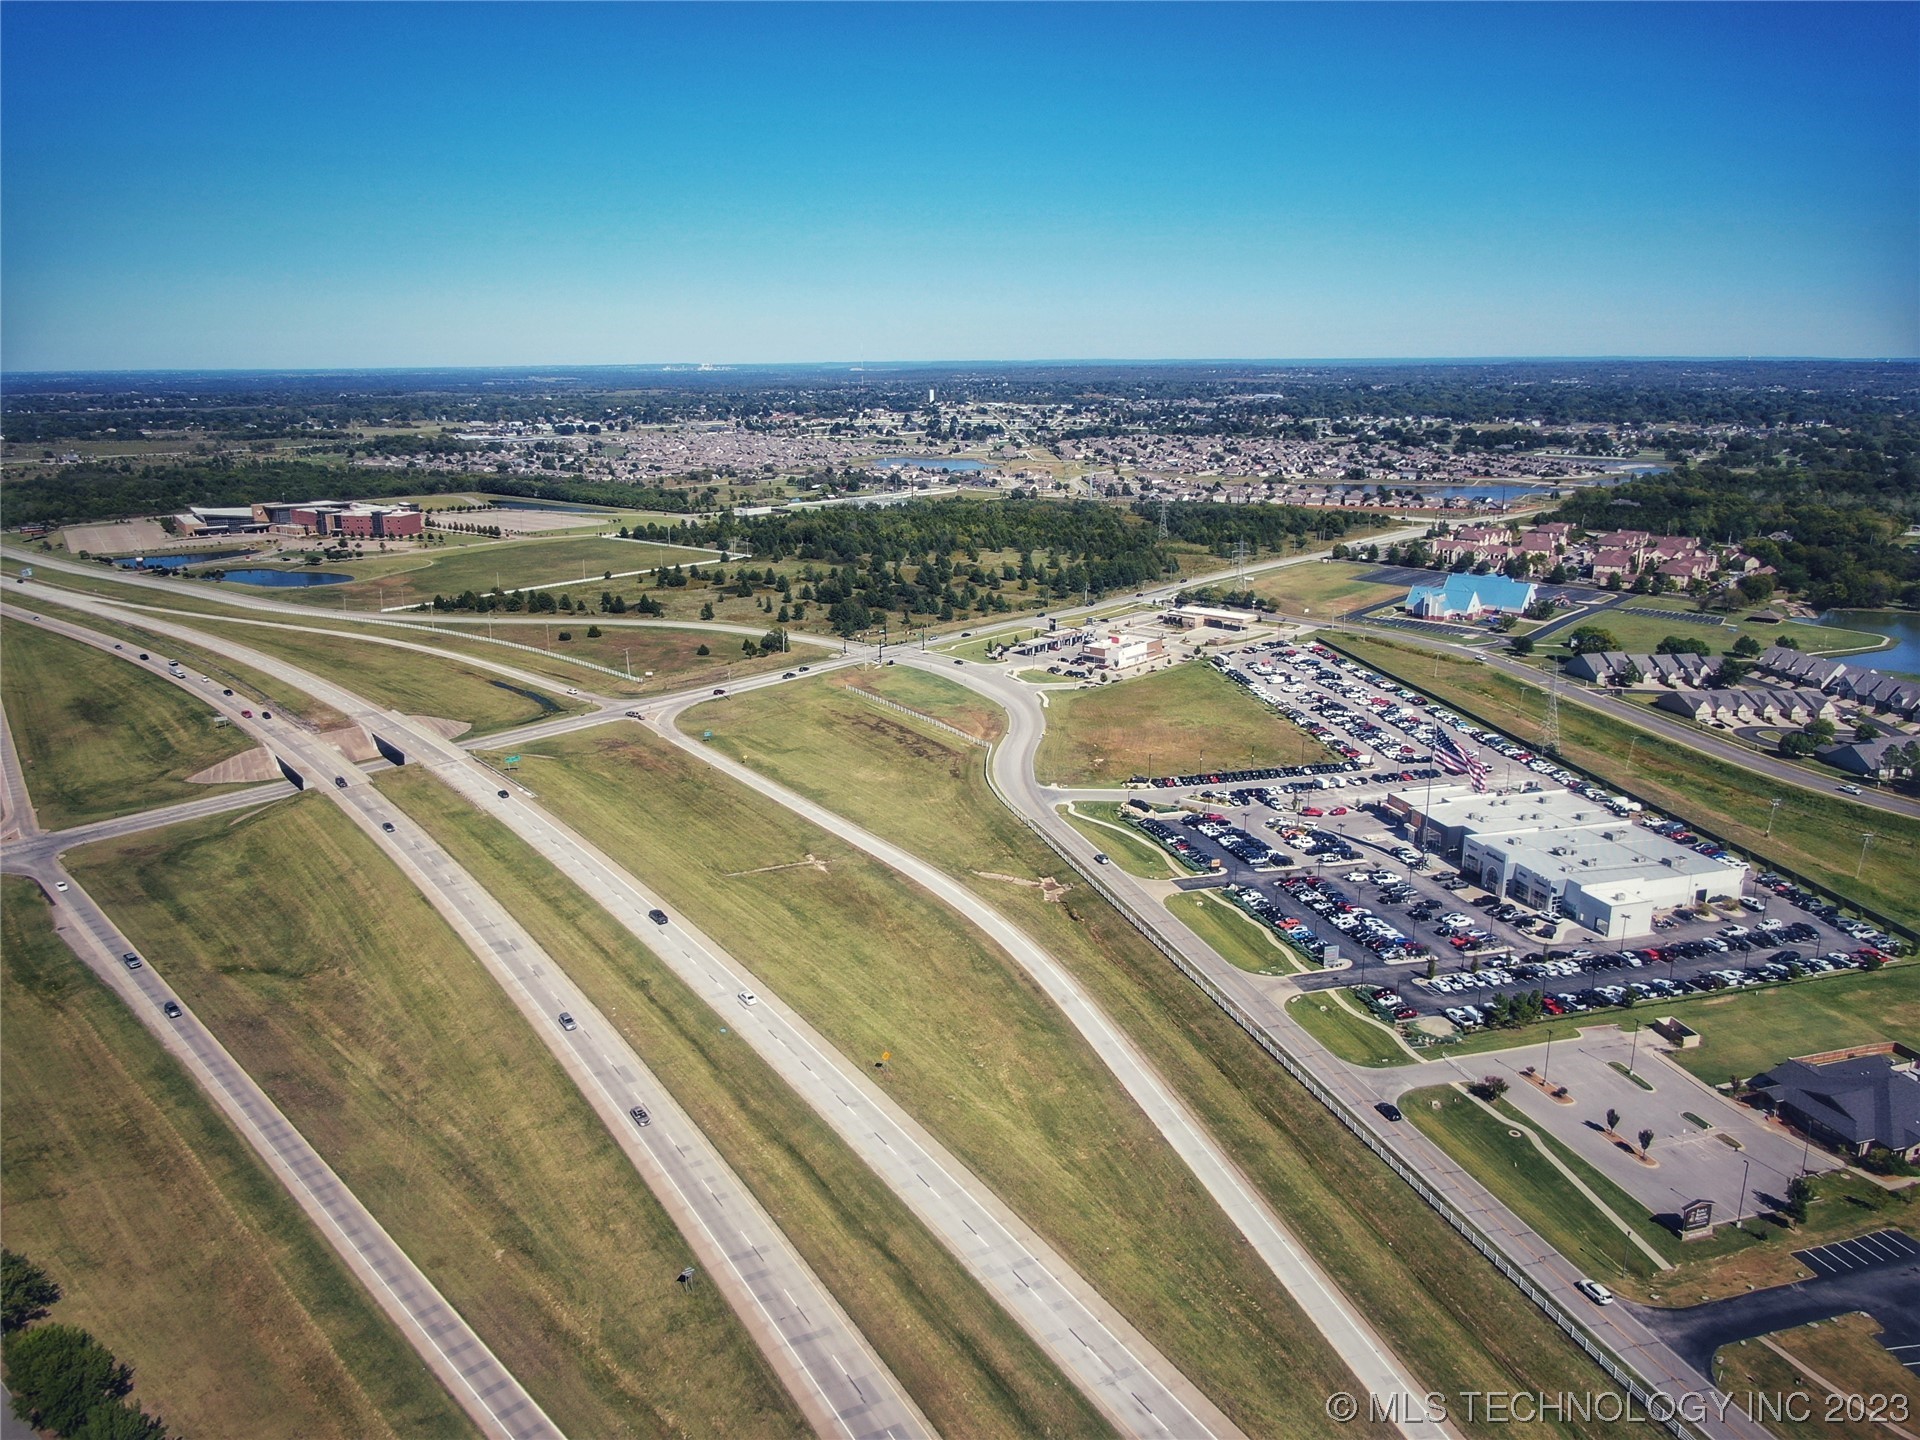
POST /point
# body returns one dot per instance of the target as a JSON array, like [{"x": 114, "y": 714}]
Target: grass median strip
[
  {"x": 1331, "y": 1019},
  {"x": 372, "y": 1027},
  {"x": 171, "y": 1240},
  {"x": 1235, "y": 934},
  {"x": 971, "y": 1369},
  {"x": 405, "y": 680},
  {"x": 99, "y": 737},
  {"x": 1416, "y": 1281},
  {"x": 977, "y": 1055}
]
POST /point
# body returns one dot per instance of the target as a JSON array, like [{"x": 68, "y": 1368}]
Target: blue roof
[{"x": 1494, "y": 592}]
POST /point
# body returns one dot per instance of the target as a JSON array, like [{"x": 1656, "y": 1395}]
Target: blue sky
[{"x": 344, "y": 185}]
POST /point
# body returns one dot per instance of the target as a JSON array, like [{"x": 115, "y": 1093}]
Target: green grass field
[
  {"x": 406, "y": 680},
  {"x": 1412, "y": 1276},
  {"x": 1639, "y": 634},
  {"x": 99, "y": 736},
  {"x": 978, "y": 1057},
  {"x": 170, "y": 1239},
  {"x": 374, "y": 1029},
  {"x": 242, "y": 679},
  {"x": 1324, "y": 587},
  {"x": 1171, "y": 722},
  {"x": 1747, "y": 1031},
  {"x": 1845, "y": 1354},
  {"x": 1734, "y": 1260},
  {"x": 672, "y": 655},
  {"x": 1815, "y": 834},
  {"x": 1234, "y": 934},
  {"x": 1330, "y": 1017},
  {"x": 416, "y": 577},
  {"x": 969, "y": 1367}
]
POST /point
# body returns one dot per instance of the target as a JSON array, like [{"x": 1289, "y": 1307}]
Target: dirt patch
[
  {"x": 1051, "y": 890},
  {"x": 811, "y": 862}
]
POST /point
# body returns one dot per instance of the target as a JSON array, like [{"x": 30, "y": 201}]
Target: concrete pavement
[
  {"x": 473, "y": 1375},
  {"x": 834, "y": 1375},
  {"x": 1352, "y": 1338},
  {"x": 1353, "y": 1090},
  {"x": 1140, "y": 1391}
]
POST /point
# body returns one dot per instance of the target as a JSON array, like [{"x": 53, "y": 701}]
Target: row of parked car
[{"x": 1806, "y": 900}]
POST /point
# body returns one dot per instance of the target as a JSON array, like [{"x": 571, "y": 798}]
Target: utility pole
[{"x": 1867, "y": 838}]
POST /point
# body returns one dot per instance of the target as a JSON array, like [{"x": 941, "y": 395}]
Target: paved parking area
[
  {"x": 1341, "y": 833},
  {"x": 1889, "y": 1292},
  {"x": 1883, "y": 1247},
  {"x": 1690, "y": 1163}
]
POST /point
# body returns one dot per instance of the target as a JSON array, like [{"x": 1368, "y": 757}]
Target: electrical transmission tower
[
  {"x": 1240, "y": 560},
  {"x": 1550, "y": 730},
  {"x": 1163, "y": 517}
]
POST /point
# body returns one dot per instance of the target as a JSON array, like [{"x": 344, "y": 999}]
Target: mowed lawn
[
  {"x": 509, "y": 564},
  {"x": 1640, "y": 634},
  {"x": 672, "y": 655},
  {"x": 1868, "y": 1384},
  {"x": 970, "y": 1368},
  {"x": 1815, "y": 833},
  {"x": 407, "y": 680},
  {"x": 1331, "y": 1018},
  {"x": 1323, "y": 587},
  {"x": 978, "y": 1057},
  {"x": 97, "y": 735},
  {"x": 341, "y": 991},
  {"x": 1747, "y": 1031},
  {"x": 1416, "y": 1281},
  {"x": 169, "y": 1238},
  {"x": 240, "y": 678},
  {"x": 1234, "y": 934},
  {"x": 1181, "y": 721}
]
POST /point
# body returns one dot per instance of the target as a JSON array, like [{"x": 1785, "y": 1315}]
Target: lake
[
  {"x": 177, "y": 562},
  {"x": 282, "y": 579},
  {"x": 929, "y": 462},
  {"x": 1902, "y": 626}
]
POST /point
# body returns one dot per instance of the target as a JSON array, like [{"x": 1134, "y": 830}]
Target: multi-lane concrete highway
[
  {"x": 1140, "y": 1391},
  {"x": 826, "y": 1363},
  {"x": 1356, "y": 1342},
  {"x": 473, "y": 1375}
]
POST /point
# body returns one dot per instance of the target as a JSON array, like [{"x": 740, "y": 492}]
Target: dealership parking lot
[{"x": 1314, "y": 852}]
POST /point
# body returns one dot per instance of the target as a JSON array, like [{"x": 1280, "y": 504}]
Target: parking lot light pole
[{"x": 1546, "y": 1069}]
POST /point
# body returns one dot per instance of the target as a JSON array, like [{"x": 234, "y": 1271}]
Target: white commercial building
[
  {"x": 1557, "y": 850},
  {"x": 1116, "y": 652}
]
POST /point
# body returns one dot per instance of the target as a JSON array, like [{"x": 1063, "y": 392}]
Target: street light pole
[
  {"x": 1773, "y": 809},
  {"x": 1867, "y": 838},
  {"x": 1744, "y": 1164}
]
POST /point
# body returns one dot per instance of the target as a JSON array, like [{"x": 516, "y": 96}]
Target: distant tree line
[{"x": 72, "y": 494}]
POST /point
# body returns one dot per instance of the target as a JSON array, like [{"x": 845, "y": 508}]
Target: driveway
[{"x": 1886, "y": 1286}]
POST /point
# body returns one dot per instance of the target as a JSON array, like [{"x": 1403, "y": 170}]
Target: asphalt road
[
  {"x": 1888, "y": 1290},
  {"x": 1357, "y": 1088},
  {"x": 832, "y": 1371}
]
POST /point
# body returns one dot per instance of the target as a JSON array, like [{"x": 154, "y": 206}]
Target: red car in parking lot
[{"x": 1311, "y": 810}]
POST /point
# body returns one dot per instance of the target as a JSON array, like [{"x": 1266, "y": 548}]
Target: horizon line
[{"x": 858, "y": 366}]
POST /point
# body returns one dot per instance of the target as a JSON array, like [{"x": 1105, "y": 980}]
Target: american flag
[{"x": 1449, "y": 755}]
